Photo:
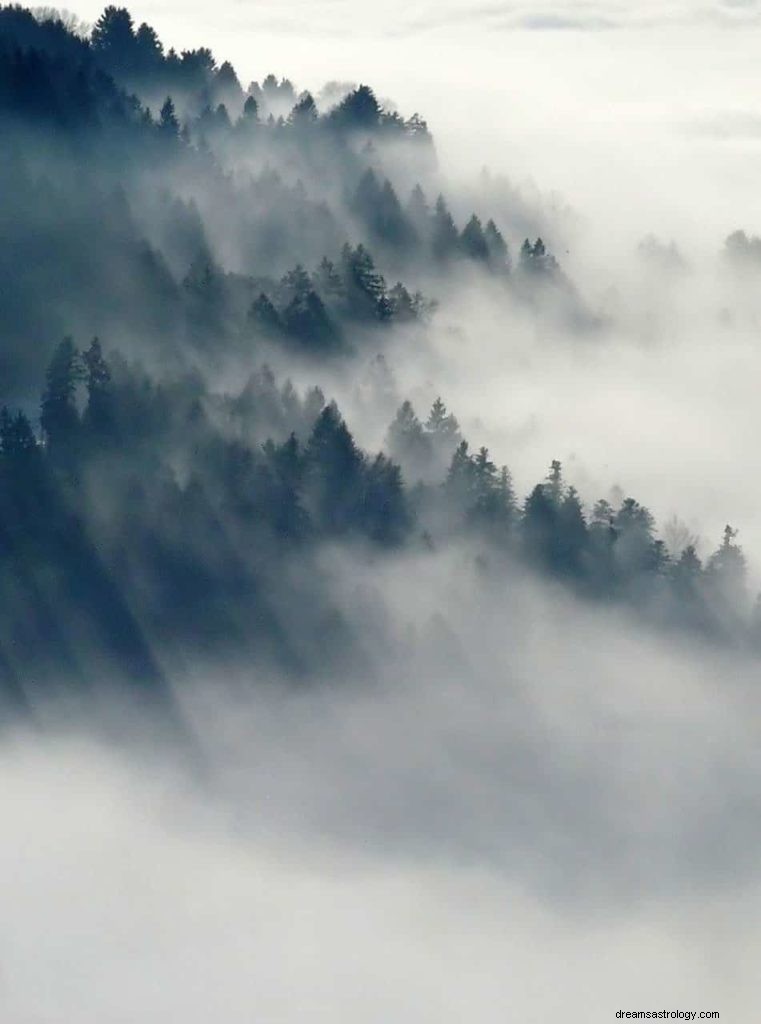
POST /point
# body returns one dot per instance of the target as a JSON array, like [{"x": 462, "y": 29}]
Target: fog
[
  {"x": 428, "y": 781},
  {"x": 528, "y": 811},
  {"x": 614, "y": 122}
]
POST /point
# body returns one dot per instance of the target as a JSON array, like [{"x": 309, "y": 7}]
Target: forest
[{"x": 182, "y": 257}]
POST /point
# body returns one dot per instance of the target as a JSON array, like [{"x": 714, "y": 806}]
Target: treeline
[
  {"x": 156, "y": 199},
  {"x": 153, "y": 520},
  {"x": 604, "y": 552}
]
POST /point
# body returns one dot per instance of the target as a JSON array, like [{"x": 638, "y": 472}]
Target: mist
[
  {"x": 611, "y": 123},
  {"x": 379, "y": 548},
  {"x": 555, "y": 817}
]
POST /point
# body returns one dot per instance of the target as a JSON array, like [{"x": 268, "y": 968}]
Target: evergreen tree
[
  {"x": 418, "y": 213},
  {"x": 403, "y": 305},
  {"x": 306, "y": 319},
  {"x": 149, "y": 50},
  {"x": 99, "y": 416},
  {"x": 366, "y": 288},
  {"x": 17, "y": 441},
  {"x": 407, "y": 442},
  {"x": 635, "y": 552},
  {"x": 287, "y": 512},
  {"x": 726, "y": 573},
  {"x": 296, "y": 284},
  {"x": 113, "y": 39},
  {"x": 459, "y": 483},
  {"x": 384, "y": 514},
  {"x": 539, "y": 525},
  {"x": 250, "y": 111},
  {"x": 445, "y": 239},
  {"x": 304, "y": 112},
  {"x": 359, "y": 110},
  {"x": 59, "y": 416},
  {"x": 329, "y": 283},
  {"x": 571, "y": 543},
  {"x": 499, "y": 257},
  {"x": 555, "y": 483},
  {"x": 473, "y": 242},
  {"x": 334, "y": 470},
  {"x": 169, "y": 126},
  {"x": 226, "y": 85},
  {"x": 391, "y": 223},
  {"x": 536, "y": 260},
  {"x": 264, "y": 316}
]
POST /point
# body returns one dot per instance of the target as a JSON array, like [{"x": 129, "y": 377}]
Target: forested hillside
[{"x": 175, "y": 249}]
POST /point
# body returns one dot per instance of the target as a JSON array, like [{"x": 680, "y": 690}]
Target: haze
[{"x": 504, "y": 801}]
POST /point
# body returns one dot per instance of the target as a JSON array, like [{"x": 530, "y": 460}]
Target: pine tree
[
  {"x": 539, "y": 525},
  {"x": 99, "y": 415},
  {"x": 572, "y": 536},
  {"x": 359, "y": 110},
  {"x": 384, "y": 513},
  {"x": 250, "y": 114},
  {"x": 169, "y": 126},
  {"x": 442, "y": 424},
  {"x": 17, "y": 440},
  {"x": 473, "y": 242},
  {"x": 406, "y": 440},
  {"x": 334, "y": 467},
  {"x": 59, "y": 416},
  {"x": 418, "y": 213},
  {"x": 445, "y": 238},
  {"x": 366, "y": 288},
  {"x": 499, "y": 257},
  {"x": 726, "y": 572},
  {"x": 264, "y": 316},
  {"x": 304, "y": 112}
]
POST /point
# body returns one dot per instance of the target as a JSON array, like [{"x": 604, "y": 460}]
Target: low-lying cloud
[{"x": 521, "y": 802}]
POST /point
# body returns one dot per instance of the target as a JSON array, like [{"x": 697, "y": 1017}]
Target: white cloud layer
[{"x": 529, "y": 812}]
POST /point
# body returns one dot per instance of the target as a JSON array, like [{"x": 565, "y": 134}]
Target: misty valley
[
  {"x": 278, "y": 562},
  {"x": 168, "y": 494}
]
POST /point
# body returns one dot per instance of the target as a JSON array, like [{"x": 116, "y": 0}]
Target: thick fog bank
[{"x": 522, "y": 811}]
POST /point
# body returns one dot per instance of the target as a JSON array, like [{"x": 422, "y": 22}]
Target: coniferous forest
[
  {"x": 177, "y": 250},
  {"x": 379, "y": 514}
]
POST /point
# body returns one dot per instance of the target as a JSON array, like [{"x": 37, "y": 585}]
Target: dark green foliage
[
  {"x": 408, "y": 442},
  {"x": 334, "y": 465},
  {"x": 17, "y": 441},
  {"x": 536, "y": 261},
  {"x": 250, "y": 110},
  {"x": 384, "y": 515},
  {"x": 169, "y": 126},
  {"x": 498, "y": 255},
  {"x": 153, "y": 513},
  {"x": 99, "y": 415},
  {"x": 726, "y": 572},
  {"x": 59, "y": 417},
  {"x": 379, "y": 209},
  {"x": 473, "y": 242},
  {"x": 359, "y": 110},
  {"x": 365, "y": 287},
  {"x": 264, "y": 316},
  {"x": 113, "y": 39},
  {"x": 304, "y": 112},
  {"x": 306, "y": 319},
  {"x": 330, "y": 284},
  {"x": 444, "y": 237},
  {"x": 419, "y": 215}
]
